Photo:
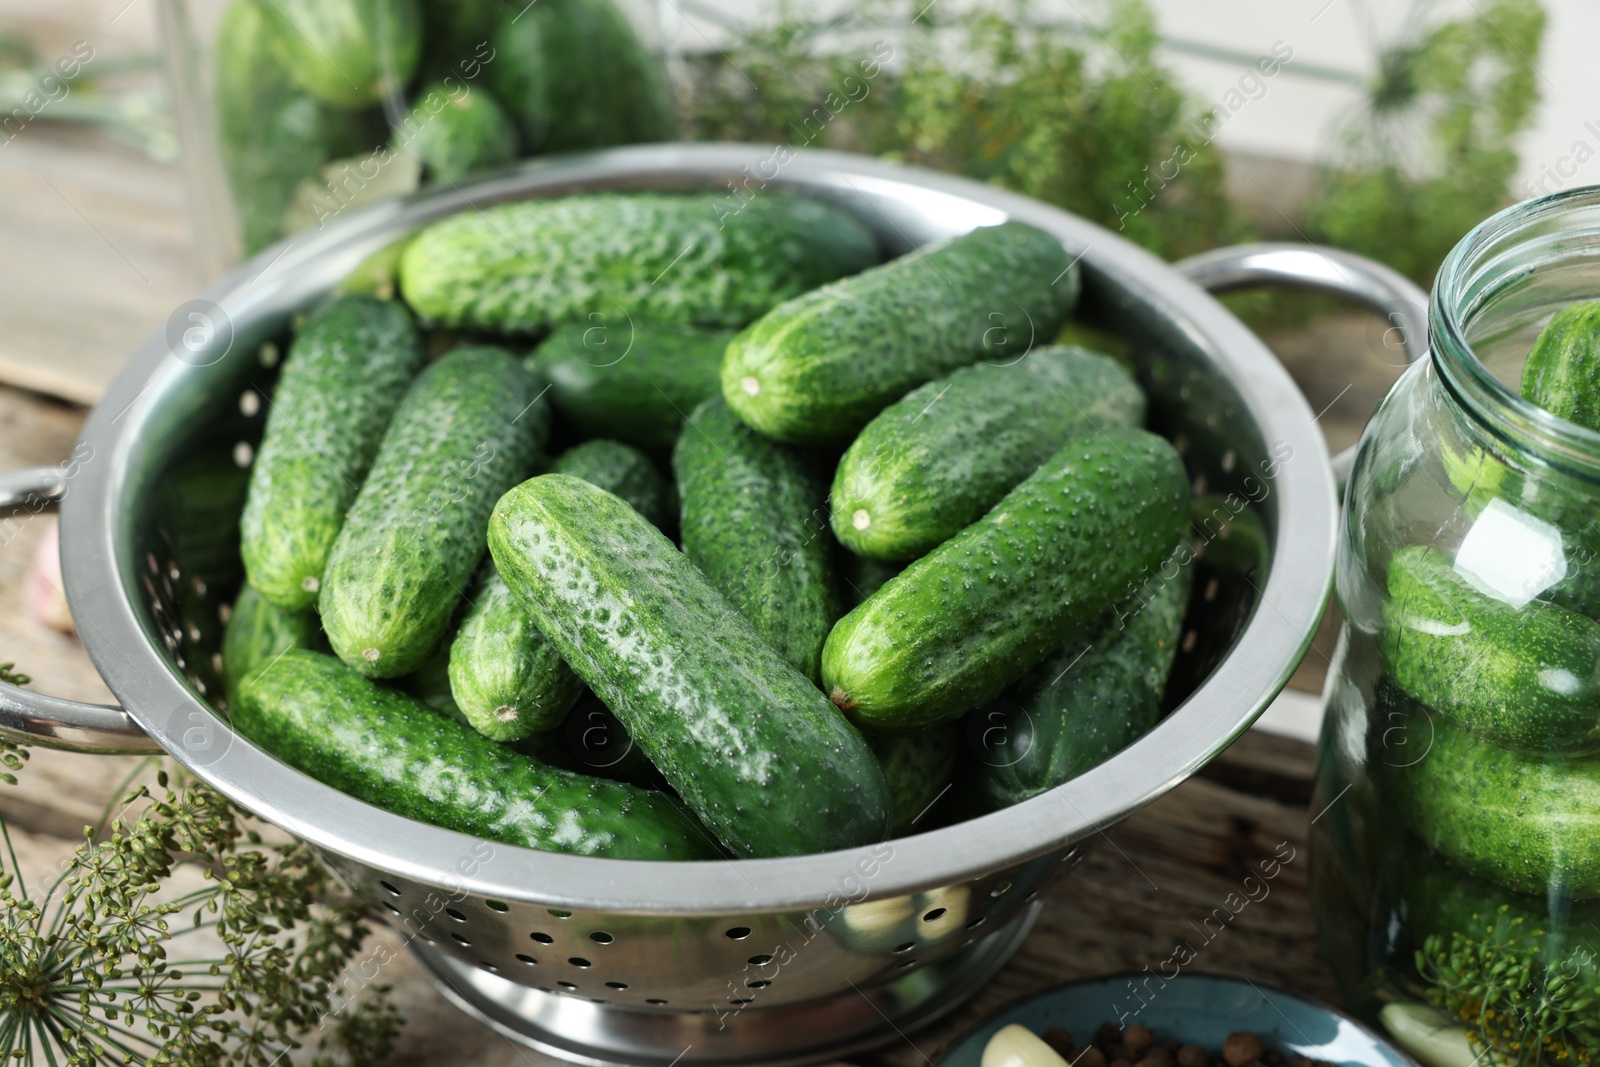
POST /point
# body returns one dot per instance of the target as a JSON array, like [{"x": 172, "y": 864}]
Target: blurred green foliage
[
  {"x": 1092, "y": 123},
  {"x": 1088, "y": 118},
  {"x": 1431, "y": 151}
]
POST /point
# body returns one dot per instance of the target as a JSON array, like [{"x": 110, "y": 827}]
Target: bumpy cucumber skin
[
  {"x": 953, "y": 629},
  {"x": 258, "y": 632},
  {"x": 627, "y": 257},
  {"x": 347, "y": 371},
  {"x": 396, "y": 753},
  {"x": 1479, "y": 475},
  {"x": 469, "y": 428},
  {"x": 1087, "y": 701},
  {"x": 577, "y": 76},
  {"x": 506, "y": 678},
  {"x": 273, "y": 134},
  {"x": 1562, "y": 373},
  {"x": 634, "y": 384},
  {"x": 917, "y": 766},
  {"x": 753, "y": 748},
  {"x": 1524, "y": 822},
  {"x": 935, "y": 460},
  {"x": 818, "y": 368},
  {"x": 623, "y": 471},
  {"x": 456, "y": 132},
  {"x": 350, "y": 53},
  {"x": 753, "y": 516},
  {"x": 1526, "y": 678}
]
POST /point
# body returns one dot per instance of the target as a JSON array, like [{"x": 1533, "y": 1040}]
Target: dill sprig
[
  {"x": 1432, "y": 149},
  {"x": 95, "y": 971},
  {"x": 1091, "y": 121},
  {"x": 1517, "y": 994}
]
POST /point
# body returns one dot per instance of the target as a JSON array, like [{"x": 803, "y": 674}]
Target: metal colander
[{"x": 750, "y": 961}]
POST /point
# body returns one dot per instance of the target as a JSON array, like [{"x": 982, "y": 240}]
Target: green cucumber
[
  {"x": 1528, "y": 678},
  {"x": 935, "y": 460},
  {"x": 917, "y": 766},
  {"x": 508, "y": 681},
  {"x": 1088, "y": 700},
  {"x": 1562, "y": 373},
  {"x": 623, "y": 471},
  {"x": 348, "y": 368},
  {"x": 636, "y": 385},
  {"x": 259, "y": 631},
  {"x": 378, "y": 275},
  {"x": 349, "y": 53},
  {"x": 469, "y": 428},
  {"x": 1439, "y": 900},
  {"x": 506, "y": 677},
  {"x": 818, "y": 368},
  {"x": 396, "y": 753},
  {"x": 613, "y": 258},
  {"x": 456, "y": 131},
  {"x": 754, "y": 519},
  {"x": 952, "y": 630},
  {"x": 753, "y": 748},
  {"x": 273, "y": 135},
  {"x": 577, "y": 76},
  {"x": 1522, "y": 821},
  {"x": 1479, "y": 476}
]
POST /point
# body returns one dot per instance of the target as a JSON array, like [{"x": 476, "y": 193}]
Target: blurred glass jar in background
[
  {"x": 1456, "y": 842},
  {"x": 292, "y": 111}
]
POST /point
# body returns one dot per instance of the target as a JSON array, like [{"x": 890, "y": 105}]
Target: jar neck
[{"x": 1503, "y": 254}]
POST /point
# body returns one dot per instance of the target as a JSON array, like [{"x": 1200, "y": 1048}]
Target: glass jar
[
  {"x": 1456, "y": 832},
  {"x": 291, "y": 112}
]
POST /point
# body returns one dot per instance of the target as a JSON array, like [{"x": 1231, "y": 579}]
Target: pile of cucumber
[
  {"x": 765, "y": 548},
  {"x": 1506, "y": 692},
  {"x": 322, "y": 104}
]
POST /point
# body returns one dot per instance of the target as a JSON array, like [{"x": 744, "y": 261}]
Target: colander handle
[
  {"x": 34, "y": 718},
  {"x": 1328, "y": 270}
]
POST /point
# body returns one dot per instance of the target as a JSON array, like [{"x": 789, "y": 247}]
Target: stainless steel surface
[
  {"x": 37, "y": 718},
  {"x": 843, "y": 1024},
  {"x": 1391, "y": 294},
  {"x": 658, "y": 939}
]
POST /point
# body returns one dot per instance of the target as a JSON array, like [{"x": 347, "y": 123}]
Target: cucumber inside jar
[{"x": 1458, "y": 856}]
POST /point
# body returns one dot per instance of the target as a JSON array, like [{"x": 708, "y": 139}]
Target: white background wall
[{"x": 1294, "y": 116}]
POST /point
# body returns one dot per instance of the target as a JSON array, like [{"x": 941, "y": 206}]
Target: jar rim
[{"x": 1506, "y": 413}]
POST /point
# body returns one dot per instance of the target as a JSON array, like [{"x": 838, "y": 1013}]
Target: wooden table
[{"x": 97, "y": 244}]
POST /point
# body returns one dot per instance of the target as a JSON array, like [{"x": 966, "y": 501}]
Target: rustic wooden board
[
  {"x": 97, "y": 256},
  {"x": 98, "y": 249}
]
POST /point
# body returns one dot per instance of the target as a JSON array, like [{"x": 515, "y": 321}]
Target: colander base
[{"x": 583, "y": 1031}]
